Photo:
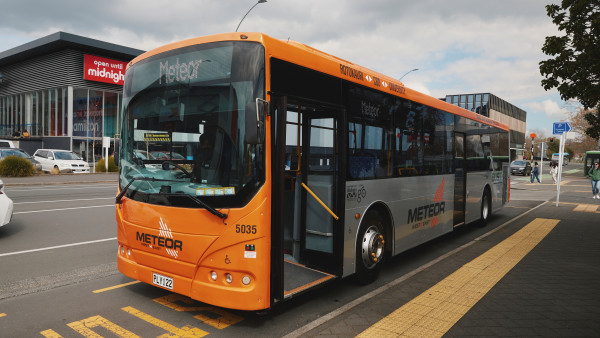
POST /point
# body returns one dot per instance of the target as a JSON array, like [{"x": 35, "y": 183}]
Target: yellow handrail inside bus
[{"x": 321, "y": 202}]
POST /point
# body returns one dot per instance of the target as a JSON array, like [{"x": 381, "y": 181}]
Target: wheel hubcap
[
  {"x": 372, "y": 247},
  {"x": 485, "y": 208}
]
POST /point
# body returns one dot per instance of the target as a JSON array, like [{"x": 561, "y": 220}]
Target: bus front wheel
[{"x": 370, "y": 248}]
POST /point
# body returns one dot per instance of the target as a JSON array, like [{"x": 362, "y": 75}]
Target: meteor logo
[
  {"x": 163, "y": 240},
  {"x": 429, "y": 214}
]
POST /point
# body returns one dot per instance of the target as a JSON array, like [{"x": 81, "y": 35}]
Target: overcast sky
[{"x": 459, "y": 46}]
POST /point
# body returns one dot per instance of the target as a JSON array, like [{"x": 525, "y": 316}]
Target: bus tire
[
  {"x": 370, "y": 248},
  {"x": 486, "y": 208}
]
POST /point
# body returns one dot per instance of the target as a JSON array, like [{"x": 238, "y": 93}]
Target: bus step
[{"x": 298, "y": 278}]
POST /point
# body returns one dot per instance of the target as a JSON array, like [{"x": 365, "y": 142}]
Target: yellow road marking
[
  {"x": 2, "y": 315},
  {"x": 186, "y": 331},
  {"x": 436, "y": 310},
  {"x": 85, "y": 326},
  {"x": 586, "y": 207},
  {"x": 50, "y": 334},
  {"x": 219, "y": 318},
  {"x": 116, "y": 287}
]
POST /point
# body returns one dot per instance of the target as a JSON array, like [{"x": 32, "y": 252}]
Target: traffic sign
[{"x": 561, "y": 127}]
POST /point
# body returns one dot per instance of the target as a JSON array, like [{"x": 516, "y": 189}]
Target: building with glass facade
[
  {"x": 502, "y": 111},
  {"x": 64, "y": 91}
]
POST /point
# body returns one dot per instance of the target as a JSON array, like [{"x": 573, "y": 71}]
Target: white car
[
  {"x": 6, "y": 206},
  {"x": 63, "y": 161}
]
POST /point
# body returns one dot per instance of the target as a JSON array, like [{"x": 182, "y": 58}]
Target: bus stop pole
[{"x": 561, "y": 151}]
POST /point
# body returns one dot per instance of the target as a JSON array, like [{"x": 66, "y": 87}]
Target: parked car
[
  {"x": 141, "y": 154},
  {"x": 62, "y": 160},
  {"x": 165, "y": 156},
  {"x": 7, "y": 144},
  {"x": 520, "y": 168},
  {"x": 6, "y": 206},
  {"x": 5, "y": 152}
]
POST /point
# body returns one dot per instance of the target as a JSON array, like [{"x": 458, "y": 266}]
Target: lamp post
[
  {"x": 412, "y": 70},
  {"x": 259, "y": 2}
]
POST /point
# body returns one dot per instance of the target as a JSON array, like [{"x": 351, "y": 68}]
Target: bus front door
[
  {"x": 306, "y": 198},
  {"x": 319, "y": 203}
]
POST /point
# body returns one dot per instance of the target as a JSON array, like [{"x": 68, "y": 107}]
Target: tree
[
  {"x": 580, "y": 124},
  {"x": 575, "y": 69}
]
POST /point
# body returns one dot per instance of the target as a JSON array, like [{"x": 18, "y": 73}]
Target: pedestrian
[
  {"x": 554, "y": 171},
  {"x": 535, "y": 173},
  {"x": 594, "y": 174}
]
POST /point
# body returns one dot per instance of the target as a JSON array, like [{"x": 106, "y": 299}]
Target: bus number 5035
[{"x": 245, "y": 229}]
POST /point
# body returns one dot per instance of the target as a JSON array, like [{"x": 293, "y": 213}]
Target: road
[{"x": 59, "y": 277}]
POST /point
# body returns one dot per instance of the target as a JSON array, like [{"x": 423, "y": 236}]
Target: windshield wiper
[
  {"x": 133, "y": 179},
  {"x": 193, "y": 198},
  {"x": 208, "y": 207}
]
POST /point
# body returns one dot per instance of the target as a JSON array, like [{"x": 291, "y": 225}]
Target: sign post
[
  {"x": 105, "y": 146},
  {"x": 560, "y": 128}
]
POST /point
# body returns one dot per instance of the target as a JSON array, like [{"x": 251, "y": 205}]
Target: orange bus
[{"x": 254, "y": 169}]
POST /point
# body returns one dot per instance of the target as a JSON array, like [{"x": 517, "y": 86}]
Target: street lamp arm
[
  {"x": 259, "y": 2},
  {"x": 412, "y": 70}
]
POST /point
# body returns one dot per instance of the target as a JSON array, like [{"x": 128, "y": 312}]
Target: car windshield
[
  {"x": 518, "y": 163},
  {"x": 184, "y": 125},
  {"x": 65, "y": 155},
  {"x": 14, "y": 152}
]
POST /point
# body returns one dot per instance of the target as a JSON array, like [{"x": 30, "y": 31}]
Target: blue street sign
[{"x": 561, "y": 127}]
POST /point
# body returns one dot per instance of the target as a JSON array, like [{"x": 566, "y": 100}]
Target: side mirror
[{"x": 255, "y": 121}]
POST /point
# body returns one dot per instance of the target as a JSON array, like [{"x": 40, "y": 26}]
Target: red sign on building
[{"x": 106, "y": 70}]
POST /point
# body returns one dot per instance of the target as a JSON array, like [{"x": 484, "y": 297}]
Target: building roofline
[{"x": 62, "y": 40}]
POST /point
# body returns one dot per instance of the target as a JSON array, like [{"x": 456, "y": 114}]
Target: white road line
[
  {"x": 80, "y": 199},
  {"x": 48, "y": 210},
  {"x": 58, "y": 247},
  {"x": 54, "y": 188}
]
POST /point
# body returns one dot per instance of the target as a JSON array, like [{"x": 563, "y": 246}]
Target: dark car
[
  {"x": 5, "y": 152},
  {"x": 520, "y": 168}
]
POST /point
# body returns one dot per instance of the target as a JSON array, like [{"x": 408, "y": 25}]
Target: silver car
[{"x": 5, "y": 152}]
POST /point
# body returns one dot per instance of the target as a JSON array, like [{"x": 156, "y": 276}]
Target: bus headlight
[
  {"x": 213, "y": 275},
  {"x": 228, "y": 278}
]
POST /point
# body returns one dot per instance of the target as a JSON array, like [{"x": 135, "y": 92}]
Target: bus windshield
[{"x": 183, "y": 135}]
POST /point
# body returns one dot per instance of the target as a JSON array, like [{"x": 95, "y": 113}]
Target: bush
[
  {"x": 101, "y": 166},
  {"x": 15, "y": 166}
]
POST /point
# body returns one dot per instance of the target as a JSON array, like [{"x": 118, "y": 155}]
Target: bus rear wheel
[
  {"x": 370, "y": 248},
  {"x": 486, "y": 208}
]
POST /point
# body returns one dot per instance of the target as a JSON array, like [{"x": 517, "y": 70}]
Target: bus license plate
[{"x": 164, "y": 281}]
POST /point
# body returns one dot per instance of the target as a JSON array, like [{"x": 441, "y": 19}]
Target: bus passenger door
[
  {"x": 320, "y": 177},
  {"x": 306, "y": 241},
  {"x": 460, "y": 178}
]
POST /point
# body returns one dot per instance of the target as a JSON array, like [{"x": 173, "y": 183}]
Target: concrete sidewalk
[{"x": 49, "y": 179}]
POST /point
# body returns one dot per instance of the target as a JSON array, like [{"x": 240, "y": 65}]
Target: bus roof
[{"x": 306, "y": 56}]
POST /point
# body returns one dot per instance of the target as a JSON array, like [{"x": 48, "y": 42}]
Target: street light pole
[
  {"x": 412, "y": 70},
  {"x": 259, "y": 2}
]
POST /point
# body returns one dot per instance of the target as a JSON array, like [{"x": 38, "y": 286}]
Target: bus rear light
[{"x": 213, "y": 275}]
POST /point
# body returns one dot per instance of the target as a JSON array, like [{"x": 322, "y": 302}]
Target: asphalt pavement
[
  {"x": 49, "y": 179},
  {"x": 537, "y": 274}
]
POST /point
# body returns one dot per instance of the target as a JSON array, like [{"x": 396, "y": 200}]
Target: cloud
[
  {"x": 551, "y": 109},
  {"x": 459, "y": 46}
]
